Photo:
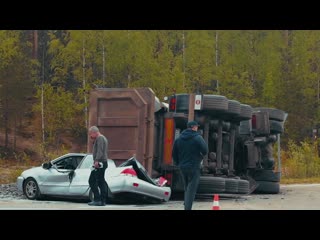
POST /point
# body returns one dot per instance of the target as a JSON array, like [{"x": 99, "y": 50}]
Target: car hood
[{"x": 32, "y": 171}]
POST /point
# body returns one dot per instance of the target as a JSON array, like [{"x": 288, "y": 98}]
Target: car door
[
  {"x": 79, "y": 185},
  {"x": 57, "y": 181}
]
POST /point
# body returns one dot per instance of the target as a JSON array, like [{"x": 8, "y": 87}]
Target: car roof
[
  {"x": 78, "y": 154},
  {"x": 71, "y": 154}
]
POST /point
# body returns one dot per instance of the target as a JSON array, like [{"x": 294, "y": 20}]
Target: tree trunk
[
  {"x": 6, "y": 127},
  {"x": 15, "y": 133},
  {"x": 35, "y": 44}
]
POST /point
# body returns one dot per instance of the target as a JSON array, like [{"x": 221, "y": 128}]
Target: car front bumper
[{"x": 20, "y": 180}]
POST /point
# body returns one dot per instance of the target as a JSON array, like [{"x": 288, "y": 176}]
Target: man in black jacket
[{"x": 188, "y": 151}]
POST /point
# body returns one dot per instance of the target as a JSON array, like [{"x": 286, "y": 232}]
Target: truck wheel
[
  {"x": 182, "y": 104},
  {"x": 231, "y": 185},
  {"x": 233, "y": 111},
  {"x": 276, "y": 126},
  {"x": 245, "y": 112},
  {"x": 243, "y": 186},
  {"x": 266, "y": 175},
  {"x": 208, "y": 184},
  {"x": 267, "y": 187},
  {"x": 234, "y": 107},
  {"x": 214, "y": 103},
  {"x": 274, "y": 114}
]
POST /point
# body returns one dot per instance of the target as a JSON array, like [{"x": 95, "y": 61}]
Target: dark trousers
[
  {"x": 190, "y": 179},
  {"x": 97, "y": 182}
]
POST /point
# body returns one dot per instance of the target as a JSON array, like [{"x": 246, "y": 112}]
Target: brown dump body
[{"x": 126, "y": 118}]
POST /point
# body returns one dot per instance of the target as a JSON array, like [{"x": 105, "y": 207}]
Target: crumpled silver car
[{"x": 67, "y": 176}]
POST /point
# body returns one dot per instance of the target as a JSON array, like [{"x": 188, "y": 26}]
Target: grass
[
  {"x": 11, "y": 169},
  {"x": 300, "y": 180},
  {"x": 9, "y": 175}
]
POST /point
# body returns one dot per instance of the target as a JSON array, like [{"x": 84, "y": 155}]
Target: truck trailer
[{"x": 240, "y": 137}]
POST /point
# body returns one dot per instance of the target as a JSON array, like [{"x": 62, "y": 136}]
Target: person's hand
[{"x": 96, "y": 164}]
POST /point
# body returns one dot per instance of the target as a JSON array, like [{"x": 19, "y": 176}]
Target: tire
[
  {"x": 245, "y": 112},
  {"x": 234, "y": 107},
  {"x": 243, "y": 186},
  {"x": 266, "y": 175},
  {"x": 214, "y": 103},
  {"x": 182, "y": 104},
  {"x": 231, "y": 185},
  {"x": 276, "y": 127},
  {"x": 208, "y": 184},
  {"x": 233, "y": 111},
  {"x": 268, "y": 164},
  {"x": 267, "y": 187},
  {"x": 274, "y": 114},
  {"x": 31, "y": 189}
]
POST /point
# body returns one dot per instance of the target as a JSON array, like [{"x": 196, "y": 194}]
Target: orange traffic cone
[{"x": 215, "y": 205}]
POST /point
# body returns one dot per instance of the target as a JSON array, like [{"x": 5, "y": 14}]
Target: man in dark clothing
[
  {"x": 100, "y": 158},
  {"x": 188, "y": 151}
]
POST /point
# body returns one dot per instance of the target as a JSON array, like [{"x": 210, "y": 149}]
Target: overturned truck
[{"x": 240, "y": 138}]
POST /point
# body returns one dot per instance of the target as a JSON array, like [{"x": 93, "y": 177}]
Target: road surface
[{"x": 292, "y": 197}]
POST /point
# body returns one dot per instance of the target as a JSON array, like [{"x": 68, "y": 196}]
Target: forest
[{"x": 46, "y": 77}]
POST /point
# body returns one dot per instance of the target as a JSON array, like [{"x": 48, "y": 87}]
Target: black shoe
[{"x": 95, "y": 203}]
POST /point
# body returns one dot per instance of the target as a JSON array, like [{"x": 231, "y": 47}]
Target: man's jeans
[
  {"x": 96, "y": 180},
  {"x": 190, "y": 179}
]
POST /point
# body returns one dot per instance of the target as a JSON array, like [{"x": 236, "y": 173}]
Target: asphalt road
[{"x": 291, "y": 197}]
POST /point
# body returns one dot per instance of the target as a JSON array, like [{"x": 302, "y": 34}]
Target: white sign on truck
[{"x": 197, "y": 102}]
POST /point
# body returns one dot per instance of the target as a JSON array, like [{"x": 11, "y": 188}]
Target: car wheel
[{"x": 31, "y": 189}]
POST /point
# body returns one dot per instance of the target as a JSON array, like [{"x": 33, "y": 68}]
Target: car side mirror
[{"x": 46, "y": 165}]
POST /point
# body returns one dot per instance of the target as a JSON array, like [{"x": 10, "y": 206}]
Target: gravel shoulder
[{"x": 10, "y": 191}]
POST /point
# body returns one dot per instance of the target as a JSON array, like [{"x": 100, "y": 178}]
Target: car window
[
  {"x": 69, "y": 163},
  {"x": 78, "y": 160},
  {"x": 61, "y": 164},
  {"x": 87, "y": 162}
]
